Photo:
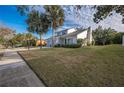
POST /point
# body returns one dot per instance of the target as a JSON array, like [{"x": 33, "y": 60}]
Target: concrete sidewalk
[{"x": 14, "y": 72}]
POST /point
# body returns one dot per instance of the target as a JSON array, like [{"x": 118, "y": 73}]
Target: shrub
[
  {"x": 24, "y": 44},
  {"x": 33, "y": 42},
  {"x": 68, "y": 46},
  {"x": 57, "y": 45},
  {"x": 80, "y": 41},
  {"x": 72, "y": 46}
]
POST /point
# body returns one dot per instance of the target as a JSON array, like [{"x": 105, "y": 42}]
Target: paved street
[{"x": 14, "y": 72}]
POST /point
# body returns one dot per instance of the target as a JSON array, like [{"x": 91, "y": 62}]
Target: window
[{"x": 64, "y": 32}]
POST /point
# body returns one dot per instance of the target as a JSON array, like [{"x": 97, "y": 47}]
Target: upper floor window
[
  {"x": 58, "y": 33},
  {"x": 61, "y": 33},
  {"x": 64, "y": 32}
]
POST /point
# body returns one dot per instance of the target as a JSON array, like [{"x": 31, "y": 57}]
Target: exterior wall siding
[
  {"x": 49, "y": 42},
  {"x": 82, "y": 35},
  {"x": 71, "y": 30},
  {"x": 87, "y": 34},
  {"x": 71, "y": 40}
]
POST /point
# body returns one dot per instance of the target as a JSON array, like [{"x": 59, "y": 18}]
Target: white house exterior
[{"x": 70, "y": 36}]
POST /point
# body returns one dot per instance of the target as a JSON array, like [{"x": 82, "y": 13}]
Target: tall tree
[
  {"x": 28, "y": 38},
  {"x": 103, "y": 11},
  {"x": 38, "y": 22},
  {"x": 23, "y": 9},
  {"x": 55, "y": 14},
  {"x": 6, "y": 34},
  {"x": 19, "y": 37},
  {"x": 103, "y": 36}
]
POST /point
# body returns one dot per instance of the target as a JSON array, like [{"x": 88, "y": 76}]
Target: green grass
[{"x": 88, "y": 66}]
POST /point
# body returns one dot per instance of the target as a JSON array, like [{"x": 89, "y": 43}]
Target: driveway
[{"x": 14, "y": 72}]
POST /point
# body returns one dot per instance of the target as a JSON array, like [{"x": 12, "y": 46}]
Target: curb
[{"x": 32, "y": 69}]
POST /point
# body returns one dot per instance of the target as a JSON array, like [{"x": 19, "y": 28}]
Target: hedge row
[{"x": 68, "y": 46}]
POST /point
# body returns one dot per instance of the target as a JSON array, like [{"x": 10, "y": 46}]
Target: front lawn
[{"x": 88, "y": 66}]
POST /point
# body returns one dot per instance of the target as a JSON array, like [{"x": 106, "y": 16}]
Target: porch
[{"x": 66, "y": 40}]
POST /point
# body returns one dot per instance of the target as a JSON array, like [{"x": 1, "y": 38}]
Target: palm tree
[
  {"x": 28, "y": 37},
  {"x": 38, "y": 22},
  {"x": 19, "y": 37},
  {"x": 56, "y": 16}
]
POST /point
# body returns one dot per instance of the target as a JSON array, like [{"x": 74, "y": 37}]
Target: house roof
[
  {"x": 70, "y": 34},
  {"x": 64, "y": 29},
  {"x": 73, "y": 33}
]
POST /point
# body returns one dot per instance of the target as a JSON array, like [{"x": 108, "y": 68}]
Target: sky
[{"x": 10, "y": 17}]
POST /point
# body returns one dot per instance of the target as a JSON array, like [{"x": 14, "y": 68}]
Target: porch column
[{"x": 65, "y": 41}]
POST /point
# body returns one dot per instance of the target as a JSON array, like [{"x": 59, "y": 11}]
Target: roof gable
[{"x": 74, "y": 33}]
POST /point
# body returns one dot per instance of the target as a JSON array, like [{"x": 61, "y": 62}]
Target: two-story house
[{"x": 70, "y": 36}]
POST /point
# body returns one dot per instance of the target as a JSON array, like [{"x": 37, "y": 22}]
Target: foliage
[
  {"x": 103, "y": 36},
  {"x": 33, "y": 42},
  {"x": 69, "y": 46},
  {"x": 25, "y": 40},
  {"x": 22, "y": 9},
  {"x": 55, "y": 14},
  {"x": 13, "y": 41},
  {"x": 1, "y": 55},
  {"x": 107, "y": 10},
  {"x": 36, "y": 21},
  {"x": 57, "y": 45},
  {"x": 80, "y": 41},
  {"x": 118, "y": 38},
  {"x": 6, "y": 34},
  {"x": 72, "y": 46},
  {"x": 19, "y": 37}
]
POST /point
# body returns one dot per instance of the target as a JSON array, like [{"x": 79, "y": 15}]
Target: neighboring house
[
  {"x": 38, "y": 42},
  {"x": 70, "y": 36}
]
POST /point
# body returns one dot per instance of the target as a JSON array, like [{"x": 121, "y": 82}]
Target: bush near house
[
  {"x": 69, "y": 46},
  {"x": 57, "y": 45},
  {"x": 80, "y": 41},
  {"x": 72, "y": 46},
  {"x": 118, "y": 38}
]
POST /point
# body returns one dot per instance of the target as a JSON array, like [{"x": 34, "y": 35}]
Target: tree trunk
[
  {"x": 12, "y": 45},
  {"x": 52, "y": 38},
  {"x": 40, "y": 41},
  {"x": 28, "y": 44},
  {"x": 6, "y": 45}
]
